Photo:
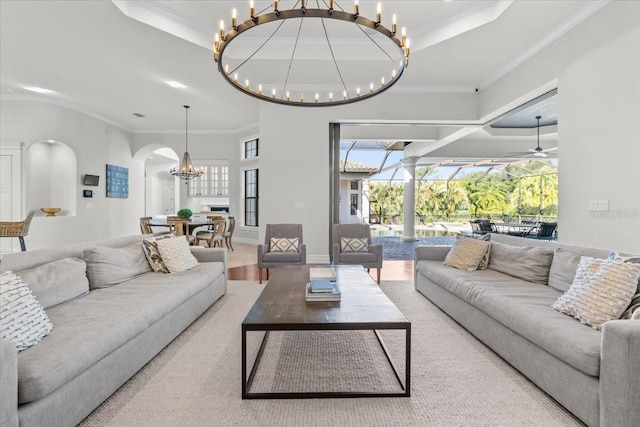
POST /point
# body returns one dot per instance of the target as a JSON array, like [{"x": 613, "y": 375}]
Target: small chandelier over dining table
[
  {"x": 186, "y": 171},
  {"x": 265, "y": 65}
]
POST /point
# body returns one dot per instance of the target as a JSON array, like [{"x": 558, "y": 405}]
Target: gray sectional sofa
[
  {"x": 595, "y": 375},
  {"x": 101, "y": 337}
]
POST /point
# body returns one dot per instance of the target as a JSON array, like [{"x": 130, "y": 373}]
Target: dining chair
[
  {"x": 229, "y": 233},
  {"x": 214, "y": 235},
  {"x": 145, "y": 228},
  {"x": 17, "y": 229},
  {"x": 180, "y": 227}
]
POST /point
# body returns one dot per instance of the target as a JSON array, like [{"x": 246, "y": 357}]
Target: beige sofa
[
  {"x": 595, "y": 375},
  {"x": 101, "y": 337}
]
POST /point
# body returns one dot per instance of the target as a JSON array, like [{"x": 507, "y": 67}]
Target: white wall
[
  {"x": 95, "y": 144},
  {"x": 599, "y": 134},
  {"x": 596, "y": 68},
  {"x": 294, "y": 155}
]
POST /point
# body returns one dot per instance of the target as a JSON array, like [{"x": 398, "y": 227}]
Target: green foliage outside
[{"x": 509, "y": 193}]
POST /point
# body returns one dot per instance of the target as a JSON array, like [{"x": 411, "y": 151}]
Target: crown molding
[
  {"x": 467, "y": 18},
  {"x": 12, "y": 97},
  {"x": 246, "y": 128}
]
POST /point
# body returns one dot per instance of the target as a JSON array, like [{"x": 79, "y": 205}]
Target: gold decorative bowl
[{"x": 50, "y": 211}]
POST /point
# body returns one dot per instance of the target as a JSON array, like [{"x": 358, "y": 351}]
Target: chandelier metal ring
[{"x": 223, "y": 40}]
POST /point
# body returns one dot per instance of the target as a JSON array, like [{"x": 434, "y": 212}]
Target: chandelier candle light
[
  {"x": 378, "y": 38},
  {"x": 186, "y": 171}
]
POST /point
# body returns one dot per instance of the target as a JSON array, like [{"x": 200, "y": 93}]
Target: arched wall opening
[{"x": 161, "y": 188}]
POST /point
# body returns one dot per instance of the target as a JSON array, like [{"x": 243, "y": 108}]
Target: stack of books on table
[{"x": 322, "y": 286}]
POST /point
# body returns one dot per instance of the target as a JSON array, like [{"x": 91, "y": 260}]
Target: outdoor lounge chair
[{"x": 546, "y": 231}]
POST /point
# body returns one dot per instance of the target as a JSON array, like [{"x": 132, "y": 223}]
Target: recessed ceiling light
[
  {"x": 38, "y": 89},
  {"x": 175, "y": 84},
  {"x": 50, "y": 141}
]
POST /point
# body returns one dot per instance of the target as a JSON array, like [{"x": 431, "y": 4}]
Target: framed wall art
[{"x": 117, "y": 181}]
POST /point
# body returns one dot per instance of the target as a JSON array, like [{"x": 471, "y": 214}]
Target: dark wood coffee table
[{"x": 282, "y": 307}]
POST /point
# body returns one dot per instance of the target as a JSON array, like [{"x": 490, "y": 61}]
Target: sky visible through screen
[{"x": 375, "y": 158}]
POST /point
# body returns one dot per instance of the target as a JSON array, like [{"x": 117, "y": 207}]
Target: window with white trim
[
  {"x": 251, "y": 197},
  {"x": 251, "y": 148}
]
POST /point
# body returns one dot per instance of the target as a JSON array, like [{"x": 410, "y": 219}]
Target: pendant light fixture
[{"x": 186, "y": 170}]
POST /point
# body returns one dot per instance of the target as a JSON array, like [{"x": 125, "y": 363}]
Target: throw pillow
[
  {"x": 563, "y": 268},
  {"x": 530, "y": 263},
  {"x": 283, "y": 244},
  {"x": 110, "y": 266},
  {"x": 176, "y": 254},
  {"x": 354, "y": 244},
  {"x": 634, "y": 307},
  {"x": 57, "y": 282},
  {"x": 468, "y": 254},
  {"x": 601, "y": 290},
  {"x": 22, "y": 319},
  {"x": 151, "y": 252}
]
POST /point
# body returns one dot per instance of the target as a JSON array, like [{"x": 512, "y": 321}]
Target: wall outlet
[
  {"x": 598, "y": 205},
  {"x": 298, "y": 205}
]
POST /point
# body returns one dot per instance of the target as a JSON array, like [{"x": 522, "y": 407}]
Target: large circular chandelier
[{"x": 314, "y": 54}]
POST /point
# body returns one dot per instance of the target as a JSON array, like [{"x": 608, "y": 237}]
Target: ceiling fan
[{"x": 535, "y": 152}]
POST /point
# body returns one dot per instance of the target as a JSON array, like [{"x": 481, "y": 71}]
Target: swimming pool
[{"x": 419, "y": 233}]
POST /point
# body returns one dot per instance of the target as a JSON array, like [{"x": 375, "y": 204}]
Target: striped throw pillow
[
  {"x": 634, "y": 307},
  {"x": 22, "y": 319},
  {"x": 283, "y": 244},
  {"x": 601, "y": 291},
  {"x": 468, "y": 254}
]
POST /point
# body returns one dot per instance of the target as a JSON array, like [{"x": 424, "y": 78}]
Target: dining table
[
  {"x": 193, "y": 224},
  {"x": 517, "y": 227}
]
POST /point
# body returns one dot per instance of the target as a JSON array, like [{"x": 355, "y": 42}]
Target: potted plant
[{"x": 185, "y": 213}]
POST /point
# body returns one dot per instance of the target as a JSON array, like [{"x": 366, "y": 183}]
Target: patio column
[
  {"x": 409, "y": 165},
  {"x": 364, "y": 215}
]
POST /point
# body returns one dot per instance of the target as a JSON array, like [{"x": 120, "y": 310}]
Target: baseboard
[{"x": 318, "y": 259}]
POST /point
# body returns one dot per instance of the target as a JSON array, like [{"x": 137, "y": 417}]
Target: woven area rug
[
  {"x": 325, "y": 361},
  {"x": 455, "y": 379}
]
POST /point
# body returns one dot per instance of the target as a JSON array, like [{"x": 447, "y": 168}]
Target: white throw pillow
[
  {"x": 601, "y": 290},
  {"x": 176, "y": 254},
  {"x": 22, "y": 319}
]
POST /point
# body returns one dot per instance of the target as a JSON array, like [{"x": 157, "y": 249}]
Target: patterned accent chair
[
  {"x": 283, "y": 249},
  {"x": 356, "y": 248}
]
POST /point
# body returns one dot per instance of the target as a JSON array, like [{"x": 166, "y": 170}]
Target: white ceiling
[{"x": 107, "y": 64}]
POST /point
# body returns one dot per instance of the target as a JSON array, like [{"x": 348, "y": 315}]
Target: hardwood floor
[{"x": 242, "y": 266}]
